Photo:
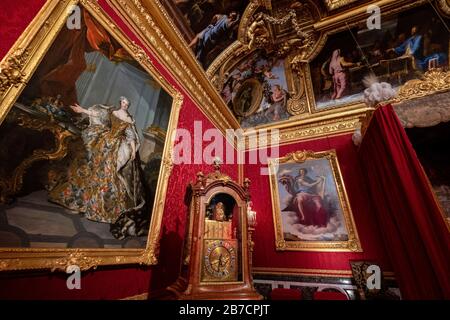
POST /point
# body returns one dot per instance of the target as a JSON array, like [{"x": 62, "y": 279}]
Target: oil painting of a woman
[
  {"x": 105, "y": 184},
  {"x": 307, "y": 198}
]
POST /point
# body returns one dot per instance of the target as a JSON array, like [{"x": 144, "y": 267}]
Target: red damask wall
[
  {"x": 265, "y": 255},
  {"x": 15, "y": 15},
  {"x": 111, "y": 282}
]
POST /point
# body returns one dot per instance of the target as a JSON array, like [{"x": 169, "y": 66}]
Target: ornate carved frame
[
  {"x": 310, "y": 122},
  {"x": 336, "y": 4},
  {"x": 352, "y": 244},
  {"x": 17, "y": 68}
]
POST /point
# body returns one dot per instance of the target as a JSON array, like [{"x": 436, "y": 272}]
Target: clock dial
[{"x": 219, "y": 260}]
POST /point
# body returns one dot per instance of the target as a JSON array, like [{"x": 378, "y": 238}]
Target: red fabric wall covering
[
  {"x": 265, "y": 254},
  {"x": 412, "y": 226},
  {"x": 15, "y": 15},
  {"x": 105, "y": 283},
  {"x": 115, "y": 282}
]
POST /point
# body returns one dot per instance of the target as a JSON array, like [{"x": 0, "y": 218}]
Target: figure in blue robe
[
  {"x": 219, "y": 28},
  {"x": 414, "y": 46}
]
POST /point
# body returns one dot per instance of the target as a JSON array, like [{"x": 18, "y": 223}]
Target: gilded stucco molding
[
  {"x": 306, "y": 131},
  {"x": 356, "y": 15},
  {"x": 336, "y": 4},
  {"x": 433, "y": 81},
  {"x": 11, "y": 74},
  {"x": 312, "y": 272}
]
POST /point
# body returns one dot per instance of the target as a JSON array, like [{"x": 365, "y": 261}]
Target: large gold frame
[
  {"x": 352, "y": 244},
  {"x": 17, "y": 67}
]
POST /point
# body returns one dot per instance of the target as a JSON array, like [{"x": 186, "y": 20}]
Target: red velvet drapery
[
  {"x": 412, "y": 226},
  {"x": 266, "y": 257}
]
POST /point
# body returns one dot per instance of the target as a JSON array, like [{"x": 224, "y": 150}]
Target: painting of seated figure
[
  {"x": 85, "y": 139},
  {"x": 310, "y": 206}
]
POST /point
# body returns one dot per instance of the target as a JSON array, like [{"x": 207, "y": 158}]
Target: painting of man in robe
[
  {"x": 213, "y": 23},
  {"x": 89, "y": 90},
  {"x": 269, "y": 72},
  {"x": 310, "y": 206},
  {"x": 407, "y": 45}
]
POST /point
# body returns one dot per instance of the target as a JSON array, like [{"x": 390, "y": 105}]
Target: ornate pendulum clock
[{"x": 218, "y": 245}]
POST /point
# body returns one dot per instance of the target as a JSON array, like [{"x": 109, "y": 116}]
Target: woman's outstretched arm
[{"x": 78, "y": 109}]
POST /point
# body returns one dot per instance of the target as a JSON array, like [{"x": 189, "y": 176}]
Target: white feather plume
[{"x": 376, "y": 91}]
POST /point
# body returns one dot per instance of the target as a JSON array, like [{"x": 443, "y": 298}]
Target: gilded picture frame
[
  {"x": 256, "y": 93},
  {"x": 17, "y": 67},
  {"x": 307, "y": 220}
]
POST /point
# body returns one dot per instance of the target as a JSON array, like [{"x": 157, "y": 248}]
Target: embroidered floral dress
[{"x": 105, "y": 183}]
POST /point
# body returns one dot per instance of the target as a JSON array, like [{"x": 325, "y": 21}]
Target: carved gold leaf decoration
[
  {"x": 335, "y": 4},
  {"x": 12, "y": 184},
  {"x": 78, "y": 258},
  {"x": 433, "y": 81},
  {"x": 296, "y": 105},
  {"x": 11, "y": 70},
  {"x": 281, "y": 244}
]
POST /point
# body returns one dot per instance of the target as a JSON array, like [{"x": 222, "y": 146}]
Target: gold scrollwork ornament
[
  {"x": 11, "y": 70},
  {"x": 11, "y": 185}
]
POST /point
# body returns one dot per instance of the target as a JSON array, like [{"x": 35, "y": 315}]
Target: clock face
[{"x": 220, "y": 260}]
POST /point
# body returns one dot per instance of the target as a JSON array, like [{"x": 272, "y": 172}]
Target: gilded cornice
[
  {"x": 336, "y": 4},
  {"x": 357, "y": 14},
  {"x": 310, "y": 272},
  {"x": 156, "y": 29},
  {"x": 301, "y": 130}
]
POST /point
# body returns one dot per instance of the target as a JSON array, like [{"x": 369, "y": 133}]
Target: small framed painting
[{"x": 311, "y": 210}]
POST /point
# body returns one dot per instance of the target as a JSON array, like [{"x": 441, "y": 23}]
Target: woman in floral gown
[{"x": 105, "y": 183}]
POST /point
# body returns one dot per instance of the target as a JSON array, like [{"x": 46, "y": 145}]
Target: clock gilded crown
[{"x": 218, "y": 178}]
